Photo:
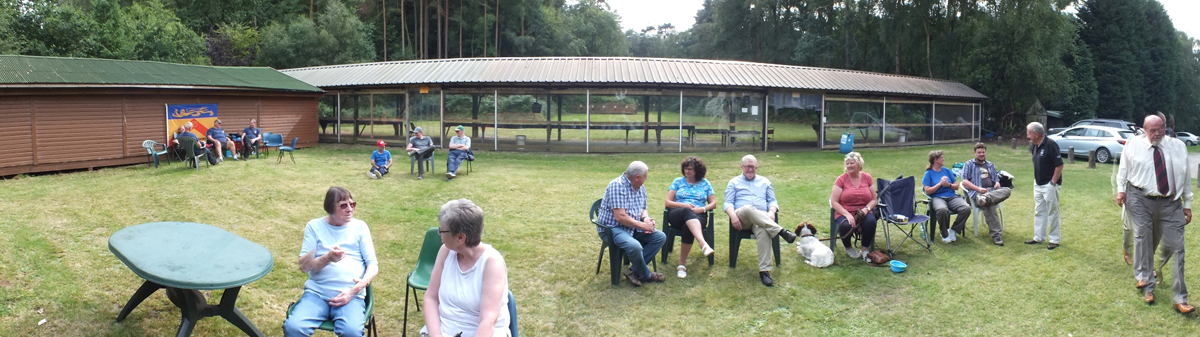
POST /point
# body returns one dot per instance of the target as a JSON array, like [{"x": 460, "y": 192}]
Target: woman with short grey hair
[{"x": 468, "y": 290}]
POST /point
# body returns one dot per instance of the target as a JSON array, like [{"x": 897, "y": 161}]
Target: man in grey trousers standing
[
  {"x": 1047, "y": 178},
  {"x": 1154, "y": 185}
]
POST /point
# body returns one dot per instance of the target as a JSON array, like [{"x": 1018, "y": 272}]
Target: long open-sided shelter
[
  {"x": 68, "y": 113},
  {"x": 622, "y": 104}
]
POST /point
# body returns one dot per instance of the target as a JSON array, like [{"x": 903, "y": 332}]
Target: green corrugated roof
[{"x": 16, "y": 70}]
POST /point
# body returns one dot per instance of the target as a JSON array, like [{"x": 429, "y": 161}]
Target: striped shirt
[{"x": 620, "y": 194}]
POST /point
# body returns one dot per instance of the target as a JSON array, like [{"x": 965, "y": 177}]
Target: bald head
[{"x": 1153, "y": 125}]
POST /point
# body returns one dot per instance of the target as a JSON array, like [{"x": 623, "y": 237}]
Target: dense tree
[
  {"x": 337, "y": 36},
  {"x": 233, "y": 45}
]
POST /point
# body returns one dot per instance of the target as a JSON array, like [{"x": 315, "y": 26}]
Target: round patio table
[{"x": 186, "y": 257}]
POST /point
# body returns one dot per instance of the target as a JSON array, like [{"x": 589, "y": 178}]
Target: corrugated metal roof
[
  {"x": 18, "y": 70},
  {"x": 617, "y": 70}
]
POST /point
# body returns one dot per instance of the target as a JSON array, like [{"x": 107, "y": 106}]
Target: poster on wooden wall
[{"x": 202, "y": 117}]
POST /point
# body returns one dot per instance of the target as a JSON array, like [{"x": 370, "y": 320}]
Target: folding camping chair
[{"x": 896, "y": 198}]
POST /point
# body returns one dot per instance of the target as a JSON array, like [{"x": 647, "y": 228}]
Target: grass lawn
[{"x": 58, "y": 266}]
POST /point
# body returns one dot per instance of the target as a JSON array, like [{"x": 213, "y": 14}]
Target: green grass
[{"x": 58, "y": 267}]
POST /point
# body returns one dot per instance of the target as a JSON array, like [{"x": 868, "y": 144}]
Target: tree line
[{"x": 1089, "y": 58}]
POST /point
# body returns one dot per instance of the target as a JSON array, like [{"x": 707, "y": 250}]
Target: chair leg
[
  {"x": 616, "y": 258},
  {"x": 669, "y": 245},
  {"x": 293, "y": 156},
  {"x": 775, "y": 246},
  {"x": 734, "y": 244},
  {"x": 601, "y": 259},
  {"x": 404, "y": 329}
]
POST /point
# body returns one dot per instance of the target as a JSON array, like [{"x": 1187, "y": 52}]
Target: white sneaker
[
  {"x": 952, "y": 237},
  {"x": 681, "y": 272},
  {"x": 708, "y": 251},
  {"x": 853, "y": 253},
  {"x": 949, "y": 237},
  {"x": 980, "y": 201},
  {"x": 372, "y": 175}
]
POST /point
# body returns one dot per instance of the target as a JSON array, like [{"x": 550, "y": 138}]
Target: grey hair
[
  {"x": 1036, "y": 128},
  {"x": 636, "y": 168},
  {"x": 857, "y": 159},
  {"x": 749, "y": 157},
  {"x": 463, "y": 216},
  {"x": 187, "y": 125}
]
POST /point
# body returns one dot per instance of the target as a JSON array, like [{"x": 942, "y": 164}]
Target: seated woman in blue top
[
  {"x": 689, "y": 199},
  {"x": 939, "y": 184},
  {"x": 339, "y": 257}
]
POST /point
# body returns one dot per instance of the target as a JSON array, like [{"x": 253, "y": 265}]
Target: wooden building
[{"x": 67, "y": 113}]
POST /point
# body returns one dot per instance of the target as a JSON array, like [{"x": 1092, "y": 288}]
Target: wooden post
[
  {"x": 1014, "y": 145},
  {"x": 1091, "y": 159},
  {"x": 1071, "y": 155}
]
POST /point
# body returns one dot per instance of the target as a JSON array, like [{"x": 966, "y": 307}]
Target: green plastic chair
[
  {"x": 616, "y": 256},
  {"x": 706, "y": 229},
  {"x": 418, "y": 279},
  {"x": 153, "y": 153},
  {"x": 189, "y": 150},
  {"x": 736, "y": 237},
  {"x": 327, "y": 325}
]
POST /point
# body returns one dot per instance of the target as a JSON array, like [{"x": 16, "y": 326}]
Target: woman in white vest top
[{"x": 468, "y": 290}]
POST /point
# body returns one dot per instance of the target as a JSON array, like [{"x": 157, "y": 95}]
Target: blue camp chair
[{"x": 896, "y": 198}]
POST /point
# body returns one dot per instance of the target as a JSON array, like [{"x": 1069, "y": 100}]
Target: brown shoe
[
  {"x": 1149, "y": 299},
  {"x": 656, "y": 277},
  {"x": 633, "y": 279},
  {"x": 1184, "y": 308},
  {"x": 1142, "y": 284},
  {"x": 1128, "y": 260}
]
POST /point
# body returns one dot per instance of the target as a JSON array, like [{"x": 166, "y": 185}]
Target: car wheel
[
  {"x": 1103, "y": 156},
  {"x": 1190, "y": 143}
]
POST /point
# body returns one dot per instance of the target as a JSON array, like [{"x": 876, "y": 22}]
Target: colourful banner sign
[{"x": 202, "y": 117}]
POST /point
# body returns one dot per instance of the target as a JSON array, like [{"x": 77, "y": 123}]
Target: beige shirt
[{"x": 1137, "y": 168}]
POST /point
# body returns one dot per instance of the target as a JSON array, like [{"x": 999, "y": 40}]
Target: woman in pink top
[{"x": 854, "y": 193}]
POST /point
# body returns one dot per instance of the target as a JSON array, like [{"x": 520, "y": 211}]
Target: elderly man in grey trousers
[{"x": 1154, "y": 185}]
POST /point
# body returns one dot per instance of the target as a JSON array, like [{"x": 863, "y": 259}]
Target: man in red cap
[{"x": 381, "y": 161}]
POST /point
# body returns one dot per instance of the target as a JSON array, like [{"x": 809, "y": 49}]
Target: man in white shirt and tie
[{"x": 1154, "y": 185}]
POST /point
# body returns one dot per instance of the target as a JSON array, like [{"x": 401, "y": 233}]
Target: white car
[
  {"x": 1188, "y": 138},
  {"x": 1106, "y": 141}
]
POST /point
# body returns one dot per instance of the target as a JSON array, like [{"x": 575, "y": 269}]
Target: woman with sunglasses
[
  {"x": 339, "y": 257},
  {"x": 468, "y": 290}
]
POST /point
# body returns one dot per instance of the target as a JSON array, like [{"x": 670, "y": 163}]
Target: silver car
[
  {"x": 1106, "y": 141},
  {"x": 1187, "y": 138}
]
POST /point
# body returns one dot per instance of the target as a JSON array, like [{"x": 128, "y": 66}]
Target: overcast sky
[{"x": 637, "y": 14}]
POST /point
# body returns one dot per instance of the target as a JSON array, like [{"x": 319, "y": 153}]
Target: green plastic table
[{"x": 186, "y": 257}]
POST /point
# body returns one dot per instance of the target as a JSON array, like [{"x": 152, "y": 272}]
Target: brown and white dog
[{"x": 815, "y": 253}]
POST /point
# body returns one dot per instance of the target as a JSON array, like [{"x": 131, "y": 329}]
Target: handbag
[{"x": 878, "y": 258}]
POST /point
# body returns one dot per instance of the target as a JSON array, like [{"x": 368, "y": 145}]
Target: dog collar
[{"x": 805, "y": 235}]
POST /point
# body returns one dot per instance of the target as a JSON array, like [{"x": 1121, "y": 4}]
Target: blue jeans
[
  {"x": 382, "y": 170},
  {"x": 455, "y": 159},
  {"x": 639, "y": 248},
  {"x": 311, "y": 310}
]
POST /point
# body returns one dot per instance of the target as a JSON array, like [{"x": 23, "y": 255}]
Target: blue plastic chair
[
  {"x": 512, "y": 314},
  {"x": 287, "y": 149},
  {"x": 271, "y": 139}
]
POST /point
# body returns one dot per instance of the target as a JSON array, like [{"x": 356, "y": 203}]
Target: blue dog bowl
[{"x": 898, "y": 267}]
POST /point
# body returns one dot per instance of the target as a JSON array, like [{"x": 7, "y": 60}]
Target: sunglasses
[{"x": 348, "y": 205}]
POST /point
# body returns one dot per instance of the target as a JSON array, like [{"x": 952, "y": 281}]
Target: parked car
[
  {"x": 1188, "y": 138},
  {"x": 1114, "y": 123},
  {"x": 1107, "y": 141}
]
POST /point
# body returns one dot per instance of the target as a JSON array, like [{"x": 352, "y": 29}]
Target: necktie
[{"x": 1160, "y": 172}]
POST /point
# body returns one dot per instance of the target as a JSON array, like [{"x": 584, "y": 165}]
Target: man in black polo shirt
[{"x": 1047, "y": 175}]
